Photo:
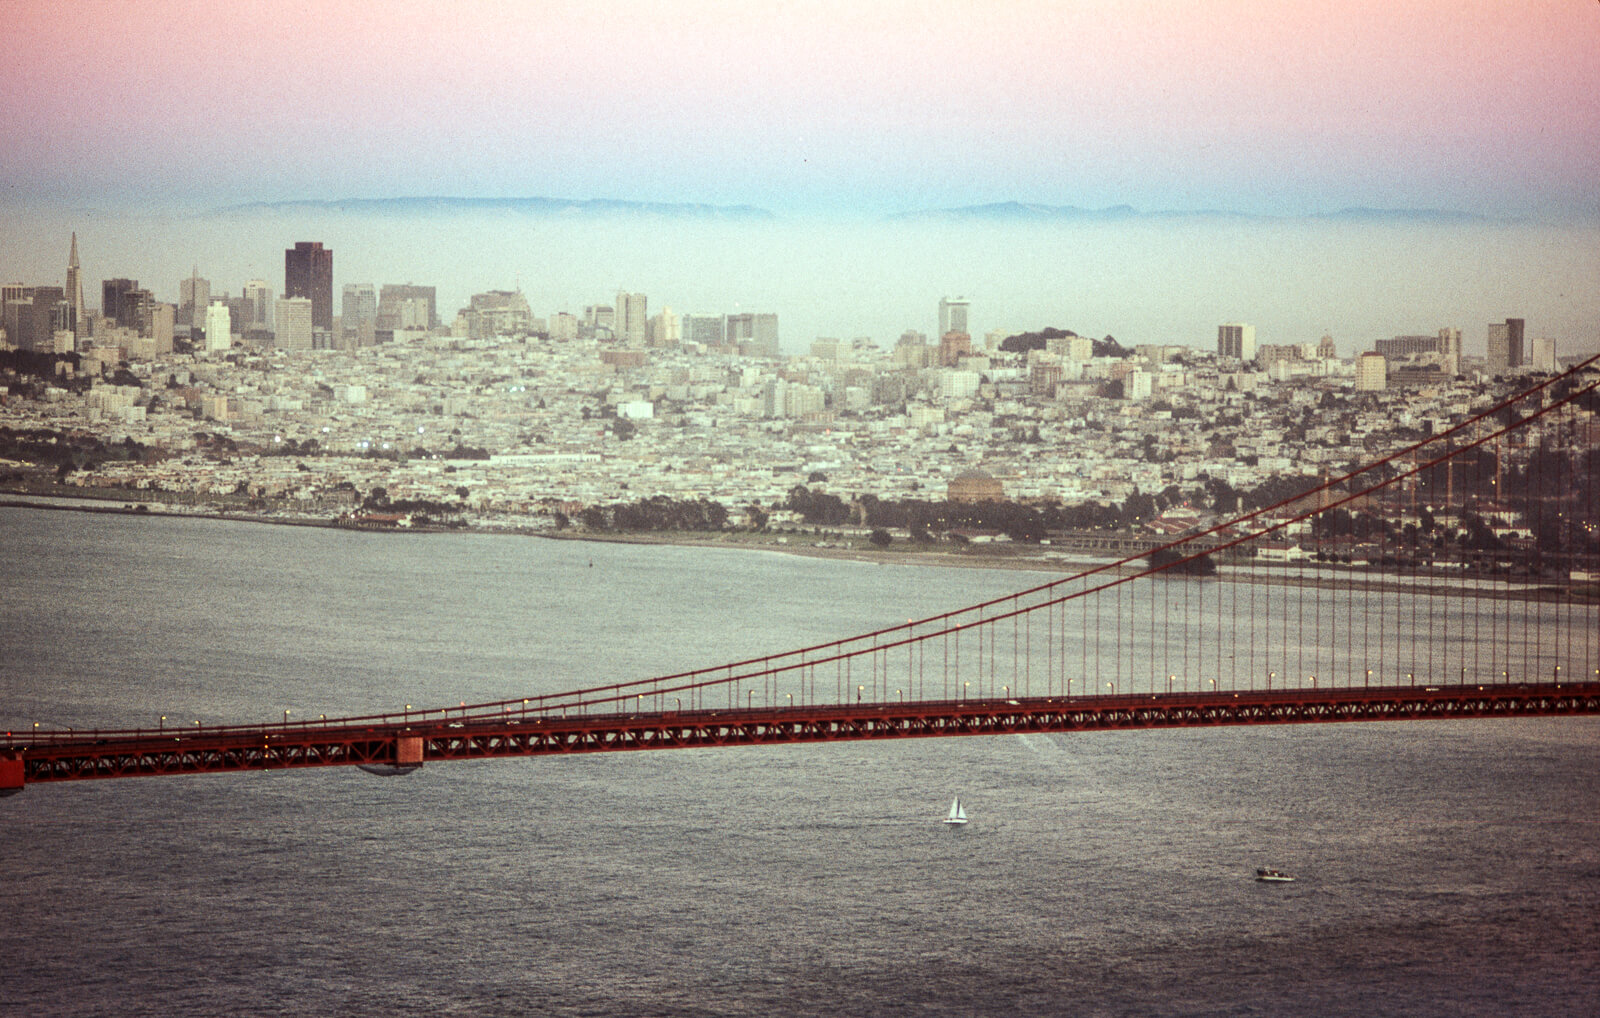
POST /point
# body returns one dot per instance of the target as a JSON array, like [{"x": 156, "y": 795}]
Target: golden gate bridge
[{"x": 1456, "y": 578}]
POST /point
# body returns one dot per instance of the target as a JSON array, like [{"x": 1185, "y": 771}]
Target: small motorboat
[{"x": 1271, "y": 876}]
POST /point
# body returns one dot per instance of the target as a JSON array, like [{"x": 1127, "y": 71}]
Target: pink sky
[{"x": 1261, "y": 106}]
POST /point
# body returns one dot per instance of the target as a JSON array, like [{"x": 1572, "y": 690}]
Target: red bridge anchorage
[{"x": 1457, "y": 578}]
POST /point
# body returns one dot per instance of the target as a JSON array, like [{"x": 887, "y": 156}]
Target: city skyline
[{"x": 1294, "y": 109}]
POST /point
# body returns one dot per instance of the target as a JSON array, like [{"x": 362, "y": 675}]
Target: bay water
[{"x": 1445, "y": 868}]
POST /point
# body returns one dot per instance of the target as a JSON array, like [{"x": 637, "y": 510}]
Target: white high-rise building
[
  {"x": 1372, "y": 372},
  {"x": 219, "y": 327},
  {"x": 666, "y": 329},
  {"x": 294, "y": 323},
  {"x": 1544, "y": 355},
  {"x": 1237, "y": 341}
]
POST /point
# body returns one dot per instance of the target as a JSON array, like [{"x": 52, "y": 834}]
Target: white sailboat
[{"x": 958, "y": 812}]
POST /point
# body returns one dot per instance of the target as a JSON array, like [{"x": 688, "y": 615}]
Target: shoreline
[{"x": 1007, "y": 556}]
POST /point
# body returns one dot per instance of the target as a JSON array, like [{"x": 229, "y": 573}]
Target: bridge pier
[
  {"x": 408, "y": 751},
  {"x": 11, "y": 775}
]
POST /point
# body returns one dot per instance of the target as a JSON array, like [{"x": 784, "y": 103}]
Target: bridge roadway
[{"x": 398, "y": 746}]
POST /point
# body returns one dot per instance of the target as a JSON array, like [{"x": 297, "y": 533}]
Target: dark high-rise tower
[
  {"x": 308, "y": 272},
  {"x": 116, "y": 306}
]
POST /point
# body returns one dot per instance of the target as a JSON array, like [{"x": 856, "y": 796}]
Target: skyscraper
[
  {"x": 1505, "y": 349},
  {"x": 358, "y": 313},
  {"x": 218, "y": 326},
  {"x": 1236, "y": 341},
  {"x": 259, "y": 297},
  {"x": 707, "y": 330},
  {"x": 294, "y": 317},
  {"x": 398, "y": 303},
  {"x": 308, "y": 273},
  {"x": 113, "y": 296},
  {"x": 764, "y": 335},
  {"x": 194, "y": 296},
  {"x": 953, "y": 315},
  {"x": 74, "y": 287},
  {"x": 631, "y": 324}
]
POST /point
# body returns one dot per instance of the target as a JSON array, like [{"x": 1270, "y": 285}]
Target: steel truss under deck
[{"x": 64, "y": 757}]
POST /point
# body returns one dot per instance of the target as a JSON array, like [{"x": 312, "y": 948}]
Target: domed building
[{"x": 975, "y": 486}]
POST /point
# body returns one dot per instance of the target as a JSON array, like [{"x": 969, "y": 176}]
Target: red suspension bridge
[{"x": 1457, "y": 578}]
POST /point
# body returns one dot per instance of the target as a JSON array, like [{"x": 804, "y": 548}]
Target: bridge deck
[{"x": 57, "y": 756}]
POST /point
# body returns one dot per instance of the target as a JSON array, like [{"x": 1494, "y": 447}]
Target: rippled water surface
[{"x": 1446, "y": 868}]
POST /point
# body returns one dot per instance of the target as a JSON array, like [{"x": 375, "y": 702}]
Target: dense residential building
[{"x": 308, "y": 273}]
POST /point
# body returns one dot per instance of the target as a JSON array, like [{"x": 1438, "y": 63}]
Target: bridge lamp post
[
  {"x": 964, "y": 688},
  {"x": 679, "y": 701},
  {"x": 791, "y": 698},
  {"x": 1213, "y": 684},
  {"x": 160, "y": 726},
  {"x": 1113, "y": 687},
  {"x": 1369, "y": 676},
  {"x": 1270, "y": 677},
  {"x": 1411, "y": 679},
  {"x": 859, "y": 690},
  {"x": 285, "y": 717},
  {"x": 1313, "y": 679},
  {"x": 1556, "y": 675},
  {"x": 749, "y": 699},
  {"x": 1169, "y": 683}
]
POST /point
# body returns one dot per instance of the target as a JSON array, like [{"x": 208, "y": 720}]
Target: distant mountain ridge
[
  {"x": 1013, "y": 211},
  {"x": 535, "y": 206}
]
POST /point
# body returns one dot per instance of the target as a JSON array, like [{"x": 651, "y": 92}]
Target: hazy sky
[{"x": 1268, "y": 106}]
